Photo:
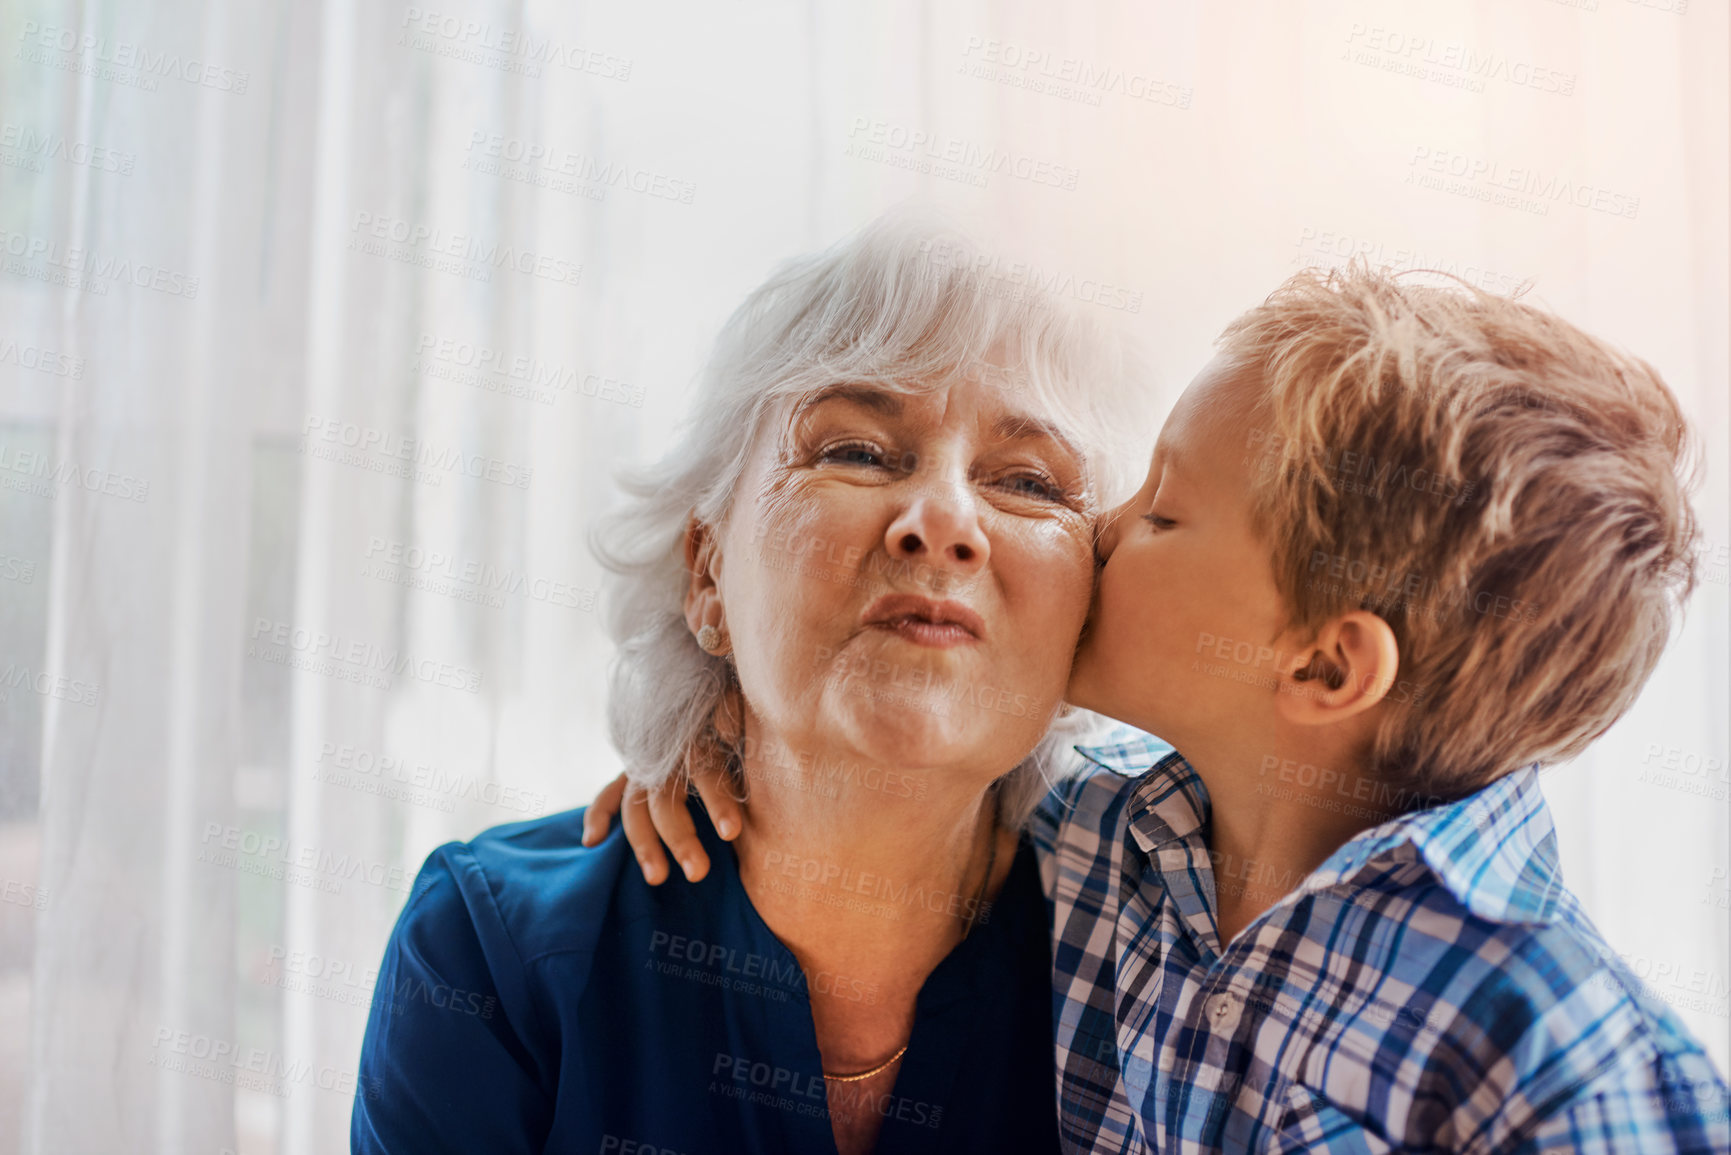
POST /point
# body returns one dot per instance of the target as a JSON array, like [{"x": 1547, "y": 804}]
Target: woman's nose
[{"x": 941, "y": 527}]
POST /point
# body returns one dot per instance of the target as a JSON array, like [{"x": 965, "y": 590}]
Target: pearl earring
[{"x": 709, "y": 638}]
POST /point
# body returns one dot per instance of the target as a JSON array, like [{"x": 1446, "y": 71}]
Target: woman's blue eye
[
  {"x": 867, "y": 454},
  {"x": 1043, "y": 487}
]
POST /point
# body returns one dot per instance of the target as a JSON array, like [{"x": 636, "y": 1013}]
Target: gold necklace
[
  {"x": 991, "y": 862},
  {"x": 870, "y": 1073}
]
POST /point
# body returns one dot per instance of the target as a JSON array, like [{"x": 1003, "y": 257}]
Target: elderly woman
[{"x": 875, "y": 535}]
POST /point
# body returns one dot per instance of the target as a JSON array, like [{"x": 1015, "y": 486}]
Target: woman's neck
[{"x": 869, "y": 890}]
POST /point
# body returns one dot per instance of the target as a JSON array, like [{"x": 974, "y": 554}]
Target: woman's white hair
[{"x": 908, "y": 303}]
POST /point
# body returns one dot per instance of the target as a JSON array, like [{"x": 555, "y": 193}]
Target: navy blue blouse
[{"x": 539, "y": 996}]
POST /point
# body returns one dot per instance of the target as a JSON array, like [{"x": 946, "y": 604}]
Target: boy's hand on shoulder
[{"x": 651, "y": 817}]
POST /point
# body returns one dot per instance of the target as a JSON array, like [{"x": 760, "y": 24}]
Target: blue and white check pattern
[{"x": 1432, "y": 986}]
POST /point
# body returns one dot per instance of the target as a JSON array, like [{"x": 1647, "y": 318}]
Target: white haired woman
[{"x": 876, "y": 535}]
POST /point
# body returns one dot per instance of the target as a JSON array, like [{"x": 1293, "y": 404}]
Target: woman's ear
[
  {"x": 1350, "y": 666},
  {"x": 702, "y": 564}
]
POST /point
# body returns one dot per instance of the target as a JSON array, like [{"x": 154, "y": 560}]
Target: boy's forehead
[{"x": 1215, "y": 411}]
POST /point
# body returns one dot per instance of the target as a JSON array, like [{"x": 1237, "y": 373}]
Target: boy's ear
[
  {"x": 1349, "y": 667},
  {"x": 703, "y": 565}
]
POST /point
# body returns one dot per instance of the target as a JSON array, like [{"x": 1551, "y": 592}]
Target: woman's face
[{"x": 903, "y": 578}]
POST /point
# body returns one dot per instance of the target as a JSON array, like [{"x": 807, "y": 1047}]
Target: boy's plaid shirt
[{"x": 1432, "y": 986}]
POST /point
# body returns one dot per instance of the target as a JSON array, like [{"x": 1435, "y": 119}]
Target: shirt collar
[
  {"x": 1494, "y": 850},
  {"x": 1169, "y": 802}
]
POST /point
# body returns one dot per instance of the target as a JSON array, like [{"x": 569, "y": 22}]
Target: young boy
[{"x": 1398, "y": 546}]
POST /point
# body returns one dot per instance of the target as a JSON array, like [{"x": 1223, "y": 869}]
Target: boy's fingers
[
  {"x": 598, "y": 818},
  {"x": 673, "y": 823},
  {"x": 707, "y": 768},
  {"x": 723, "y": 810},
  {"x": 640, "y": 833}
]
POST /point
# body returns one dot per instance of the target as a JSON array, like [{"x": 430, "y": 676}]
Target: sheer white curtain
[{"x": 323, "y": 328}]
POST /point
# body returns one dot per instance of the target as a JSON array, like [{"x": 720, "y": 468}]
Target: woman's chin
[{"x": 914, "y": 731}]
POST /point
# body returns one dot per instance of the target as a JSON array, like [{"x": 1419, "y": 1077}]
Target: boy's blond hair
[{"x": 1507, "y": 492}]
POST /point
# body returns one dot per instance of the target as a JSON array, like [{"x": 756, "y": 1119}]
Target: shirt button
[{"x": 1222, "y": 1006}]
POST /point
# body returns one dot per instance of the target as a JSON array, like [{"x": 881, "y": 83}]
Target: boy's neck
[{"x": 1277, "y": 816}]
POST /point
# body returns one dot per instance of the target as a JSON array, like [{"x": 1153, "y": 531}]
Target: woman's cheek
[
  {"x": 1057, "y": 599},
  {"x": 1060, "y": 556}
]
